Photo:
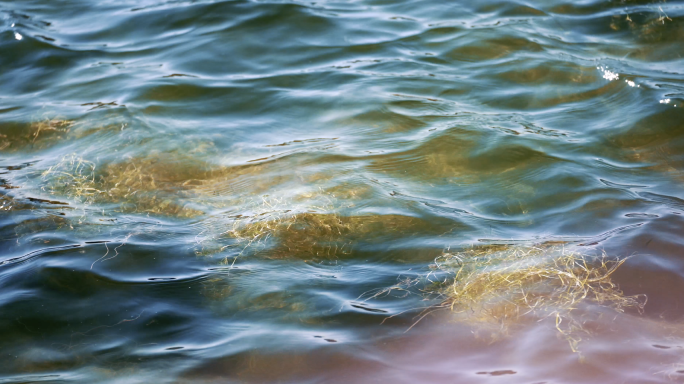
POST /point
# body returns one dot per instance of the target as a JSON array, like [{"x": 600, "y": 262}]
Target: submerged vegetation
[
  {"x": 168, "y": 183},
  {"x": 486, "y": 285},
  {"x": 500, "y": 284},
  {"x": 307, "y": 226},
  {"x": 47, "y": 130},
  {"x": 37, "y": 134},
  {"x": 316, "y": 235},
  {"x": 199, "y": 191},
  {"x": 149, "y": 185}
]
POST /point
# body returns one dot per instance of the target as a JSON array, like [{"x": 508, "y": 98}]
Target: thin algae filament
[{"x": 501, "y": 284}]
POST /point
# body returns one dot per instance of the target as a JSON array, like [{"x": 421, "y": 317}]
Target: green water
[{"x": 257, "y": 191}]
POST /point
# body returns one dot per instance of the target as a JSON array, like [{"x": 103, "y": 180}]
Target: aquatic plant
[
  {"x": 137, "y": 185},
  {"x": 151, "y": 185},
  {"x": 224, "y": 294},
  {"x": 37, "y": 133},
  {"x": 310, "y": 224},
  {"x": 313, "y": 235},
  {"x": 73, "y": 177},
  {"x": 501, "y": 284},
  {"x": 168, "y": 183},
  {"x": 47, "y": 130},
  {"x": 303, "y": 235}
]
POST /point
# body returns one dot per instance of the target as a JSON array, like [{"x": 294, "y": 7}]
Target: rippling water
[{"x": 257, "y": 191}]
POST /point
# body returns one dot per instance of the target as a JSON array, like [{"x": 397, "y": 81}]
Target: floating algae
[
  {"x": 305, "y": 235},
  {"x": 154, "y": 185},
  {"x": 163, "y": 183},
  {"x": 313, "y": 225},
  {"x": 46, "y": 132},
  {"x": 148, "y": 185},
  {"x": 311, "y": 235},
  {"x": 500, "y": 284},
  {"x": 37, "y": 134},
  {"x": 73, "y": 177}
]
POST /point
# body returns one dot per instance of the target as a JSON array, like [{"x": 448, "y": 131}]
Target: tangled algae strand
[
  {"x": 282, "y": 230},
  {"x": 74, "y": 177},
  {"x": 169, "y": 183},
  {"x": 306, "y": 234},
  {"x": 499, "y": 284},
  {"x": 38, "y": 134},
  {"x": 136, "y": 185}
]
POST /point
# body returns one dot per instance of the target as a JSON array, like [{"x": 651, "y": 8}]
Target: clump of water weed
[
  {"x": 153, "y": 185},
  {"x": 312, "y": 234},
  {"x": 305, "y": 235},
  {"x": 73, "y": 177},
  {"x": 500, "y": 284},
  {"x": 136, "y": 185},
  {"x": 36, "y": 134},
  {"x": 163, "y": 183}
]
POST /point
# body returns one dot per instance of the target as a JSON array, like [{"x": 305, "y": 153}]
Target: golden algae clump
[
  {"x": 37, "y": 134},
  {"x": 137, "y": 185},
  {"x": 73, "y": 177},
  {"x": 47, "y": 130},
  {"x": 304, "y": 235},
  {"x": 153, "y": 185},
  {"x": 315, "y": 235},
  {"x": 500, "y": 284},
  {"x": 163, "y": 183},
  {"x": 308, "y": 226}
]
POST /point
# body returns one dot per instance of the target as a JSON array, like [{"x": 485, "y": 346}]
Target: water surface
[{"x": 257, "y": 191}]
